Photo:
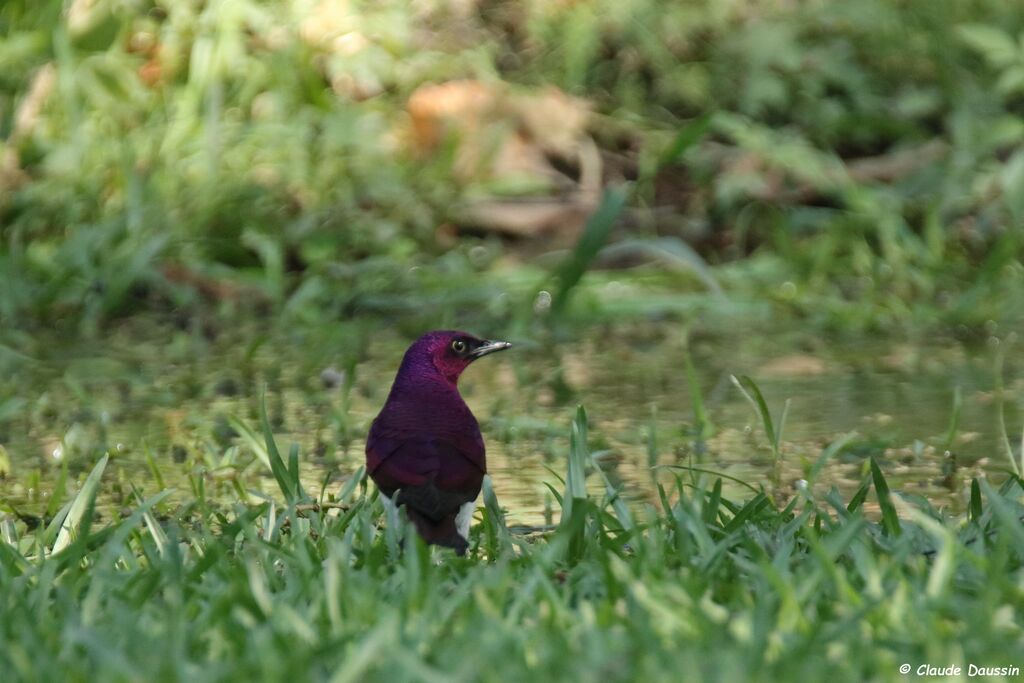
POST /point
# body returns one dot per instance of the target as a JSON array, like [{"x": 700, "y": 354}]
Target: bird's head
[{"x": 450, "y": 351}]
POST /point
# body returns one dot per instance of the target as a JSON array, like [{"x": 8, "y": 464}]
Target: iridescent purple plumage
[{"x": 425, "y": 445}]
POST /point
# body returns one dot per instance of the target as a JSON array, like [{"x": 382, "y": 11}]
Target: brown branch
[{"x": 318, "y": 507}]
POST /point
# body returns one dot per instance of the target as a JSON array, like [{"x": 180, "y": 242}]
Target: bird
[{"x": 424, "y": 451}]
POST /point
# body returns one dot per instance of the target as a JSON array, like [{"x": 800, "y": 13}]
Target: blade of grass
[
  {"x": 495, "y": 519},
  {"x": 944, "y": 562},
  {"x": 277, "y": 468},
  {"x": 705, "y": 430},
  {"x": 753, "y": 395},
  {"x": 576, "y": 486},
  {"x": 711, "y": 504},
  {"x": 782, "y": 425},
  {"x": 652, "y": 440},
  {"x": 826, "y": 455},
  {"x": 671, "y": 253},
  {"x": 975, "y": 507},
  {"x": 890, "y": 520},
  {"x": 613, "y": 496},
  {"x": 54, "y": 527},
  {"x": 1002, "y": 511},
  {"x": 1001, "y": 417},
  {"x": 256, "y": 444},
  {"x": 595, "y": 234},
  {"x": 858, "y": 498},
  {"x": 57, "y": 497},
  {"x": 158, "y": 476},
  {"x": 689, "y": 135},
  {"x": 85, "y": 498},
  {"x": 293, "y": 471},
  {"x": 352, "y": 483},
  {"x": 1019, "y": 469},
  {"x": 701, "y": 470}
]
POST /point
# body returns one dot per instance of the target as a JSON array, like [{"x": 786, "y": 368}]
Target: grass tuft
[{"x": 721, "y": 587}]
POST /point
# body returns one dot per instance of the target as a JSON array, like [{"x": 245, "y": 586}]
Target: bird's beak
[{"x": 489, "y": 347}]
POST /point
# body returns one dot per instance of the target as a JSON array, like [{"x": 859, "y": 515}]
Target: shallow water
[{"x": 171, "y": 394}]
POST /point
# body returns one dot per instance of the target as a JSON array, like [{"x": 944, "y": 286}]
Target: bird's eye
[{"x": 458, "y": 346}]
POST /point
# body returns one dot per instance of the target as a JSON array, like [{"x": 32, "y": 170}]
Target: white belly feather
[{"x": 463, "y": 519}]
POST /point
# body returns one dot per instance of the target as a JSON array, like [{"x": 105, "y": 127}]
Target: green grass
[{"x": 700, "y": 587}]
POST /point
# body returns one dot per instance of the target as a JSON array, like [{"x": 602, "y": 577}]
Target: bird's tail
[{"x": 440, "y": 532}]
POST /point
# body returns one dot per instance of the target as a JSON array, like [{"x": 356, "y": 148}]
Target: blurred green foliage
[{"x": 863, "y": 161}]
